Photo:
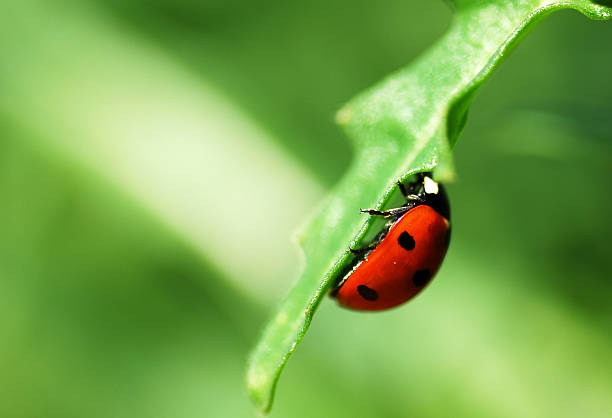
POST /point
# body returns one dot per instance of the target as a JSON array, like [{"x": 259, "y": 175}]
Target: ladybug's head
[{"x": 432, "y": 194}]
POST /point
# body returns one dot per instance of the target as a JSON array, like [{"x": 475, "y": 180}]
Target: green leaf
[{"x": 407, "y": 123}]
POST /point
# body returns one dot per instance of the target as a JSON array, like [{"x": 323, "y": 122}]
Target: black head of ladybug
[{"x": 428, "y": 192}]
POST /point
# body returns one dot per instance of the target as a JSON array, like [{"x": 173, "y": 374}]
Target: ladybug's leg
[
  {"x": 374, "y": 212},
  {"x": 409, "y": 193},
  {"x": 374, "y": 244},
  {"x": 358, "y": 251},
  {"x": 413, "y": 200},
  {"x": 387, "y": 213}
]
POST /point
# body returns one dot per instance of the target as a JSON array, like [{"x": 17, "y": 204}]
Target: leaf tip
[{"x": 259, "y": 387}]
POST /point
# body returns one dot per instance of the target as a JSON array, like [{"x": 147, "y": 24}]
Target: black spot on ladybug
[
  {"x": 448, "y": 236},
  {"x": 421, "y": 278},
  {"x": 406, "y": 241},
  {"x": 367, "y": 293}
]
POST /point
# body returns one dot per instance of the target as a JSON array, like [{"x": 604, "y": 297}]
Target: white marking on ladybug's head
[{"x": 431, "y": 187}]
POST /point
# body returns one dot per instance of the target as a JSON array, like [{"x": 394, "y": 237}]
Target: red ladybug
[{"x": 406, "y": 254}]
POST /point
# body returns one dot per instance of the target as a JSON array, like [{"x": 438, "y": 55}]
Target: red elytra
[{"x": 402, "y": 264}]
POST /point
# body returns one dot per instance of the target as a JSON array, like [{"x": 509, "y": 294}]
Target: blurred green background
[{"x": 156, "y": 156}]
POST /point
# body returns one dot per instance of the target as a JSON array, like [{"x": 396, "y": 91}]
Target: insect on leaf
[{"x": 405, "y": 124}]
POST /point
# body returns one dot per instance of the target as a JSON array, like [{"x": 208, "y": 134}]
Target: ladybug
[{"x": 405, "y": 255}]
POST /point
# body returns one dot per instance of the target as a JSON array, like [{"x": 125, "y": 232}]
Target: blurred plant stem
[{"x": 118, "y": 106}]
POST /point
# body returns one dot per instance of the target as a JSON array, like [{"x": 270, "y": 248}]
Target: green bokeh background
[{"x": 115, "y": 302}]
